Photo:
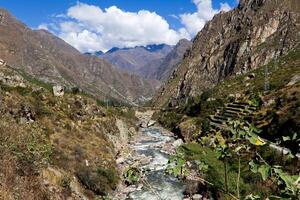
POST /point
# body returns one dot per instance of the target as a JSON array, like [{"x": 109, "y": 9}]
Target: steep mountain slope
[
  {"x": 169, "y": 63},
  {"x": 52, "y": 60},
  {"x": 134, "y": 60},
  {"x": 233, "y": 43},
  {"x": 56, "y": 147}
]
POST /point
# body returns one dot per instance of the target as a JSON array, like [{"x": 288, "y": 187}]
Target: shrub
[
  {"x": 170, "y": 119},
  {"x": 100, "y": 180},
  {"x": 132, "y": 175},
  {"x": 65, "y": 182}
]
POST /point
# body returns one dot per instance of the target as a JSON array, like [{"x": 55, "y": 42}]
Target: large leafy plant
[{"x": 177, "y": 165}]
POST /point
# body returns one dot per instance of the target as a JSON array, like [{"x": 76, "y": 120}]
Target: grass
[
  {"x": 280, "y": 73},
  {"x": 35, "y": 81},
  {"x": 66, "y": 132},
  {"x": 250, "y": 183}
]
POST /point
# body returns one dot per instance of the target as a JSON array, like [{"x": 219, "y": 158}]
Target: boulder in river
[
  {"x": 197, "y": 197},
  {"x": 143, "y": 125},
  {"x": 177, "y": 143},
  {"x": 151, "y": 123}
]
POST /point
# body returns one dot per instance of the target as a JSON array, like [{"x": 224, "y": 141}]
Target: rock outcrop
[
  {"x": 232, "y": 43},
  {"x": 58, "y": 91}
]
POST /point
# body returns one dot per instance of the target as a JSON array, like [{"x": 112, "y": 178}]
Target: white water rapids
[{"x": 162, "y": 186}]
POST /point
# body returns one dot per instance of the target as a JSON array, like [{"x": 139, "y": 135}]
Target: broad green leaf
[
  {"x": 253, "y": 166},
  {"x": 290, "y": 155},
  {"x": 294, "y": 136},
  {"x": 286, "y": 138},
  {"x": 221, "y": 140},
  {"x": 256, "y": 140},
  {"x": 264, "y": 170}
]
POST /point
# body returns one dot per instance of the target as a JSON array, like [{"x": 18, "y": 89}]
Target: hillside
[
  {"x": 56, "y": 147},
  {"x": 233, "y": 43},
  {"x": 50, "y": 59},
  {"x": 248, "y": 121}
]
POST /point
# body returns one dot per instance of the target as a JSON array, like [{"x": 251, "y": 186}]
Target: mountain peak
[{"x": 155, "y": 47}]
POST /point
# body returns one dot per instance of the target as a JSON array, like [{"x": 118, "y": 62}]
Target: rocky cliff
[
  {"x": 50, "y": 59},
  {"x": 232, "y": 43}
]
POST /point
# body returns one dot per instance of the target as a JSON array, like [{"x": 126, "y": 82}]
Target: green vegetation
[
  {"x": 99, "y": 180},
  {"x": 132, "y": 175},
  {"x": 239, "y": 163},
  {"x": 232, "y": 161},
  {"x": 177, "y": 165},
  {"x": 65, "y": 182},
  {"x": 35, "y": 81},
  {"x": 169, "y": 119}
]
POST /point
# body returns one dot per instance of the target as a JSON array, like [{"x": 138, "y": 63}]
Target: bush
[
  {"x": 205, "y": 95},
  {"x": 132, "y": 176},
  {"x": 170, "y": 119},
  {"x": 100, "y": 180},
  {"x": 65, "y": 182}
]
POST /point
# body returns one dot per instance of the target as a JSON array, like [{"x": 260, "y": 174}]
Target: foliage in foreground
[{"x": 228, "y": 157}]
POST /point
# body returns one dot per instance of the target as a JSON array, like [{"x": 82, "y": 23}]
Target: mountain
[
  {"x": 169, "y": 63},
  {"x": 50, "y": 59},
  {"x": 97, "y": 53},
  {"x": 137, "y": 59},
  {"x": 233, "y": 43}
]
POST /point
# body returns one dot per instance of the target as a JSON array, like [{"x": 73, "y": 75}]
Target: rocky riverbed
[{"x": 149, "y": 151}]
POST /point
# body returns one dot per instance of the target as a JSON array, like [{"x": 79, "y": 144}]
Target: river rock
[
  {"x": 177, "y": 143},
  {"x": 145, "y": 160},
  {"x": 130, "y": 189},
  {"x": 143, "y": 125},
  {"x": 151, "y": 123},
  {"x": 120, "y": 160},
  {"x": 197, "y": 197}
]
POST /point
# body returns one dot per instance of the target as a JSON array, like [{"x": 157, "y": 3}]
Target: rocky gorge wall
[{"x": 232, "y": 43}]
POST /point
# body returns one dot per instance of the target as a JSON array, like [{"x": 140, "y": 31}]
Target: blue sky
[{"x": 41, "y": 13}]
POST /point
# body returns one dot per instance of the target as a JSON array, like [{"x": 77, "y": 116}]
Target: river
[{"x": 157, "y": 185}]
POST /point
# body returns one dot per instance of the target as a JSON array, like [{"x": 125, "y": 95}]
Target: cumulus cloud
[
  {"x": 43, "y": 27},
  {"x": 194, "y": 22},
  {"x": 90, "y": 28}
]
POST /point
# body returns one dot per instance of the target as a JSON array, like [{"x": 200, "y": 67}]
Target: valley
[{"x": 215, "y": 117}]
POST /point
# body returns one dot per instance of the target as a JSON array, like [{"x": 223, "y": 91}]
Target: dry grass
[{"x": 66, "y": 134}]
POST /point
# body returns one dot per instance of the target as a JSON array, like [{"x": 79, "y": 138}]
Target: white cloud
[
  {"x": 194, "y": 22},
  {"x": 43, "y": 27},
  {"x": 90, "y": 28}
]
